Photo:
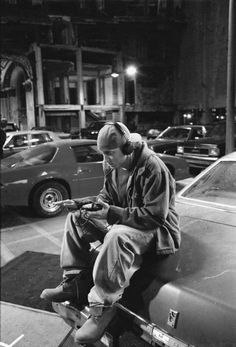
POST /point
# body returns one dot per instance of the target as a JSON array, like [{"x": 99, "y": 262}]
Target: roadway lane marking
[
  {"x": 32, "y": 237},
  {"x": 6, "y": 254},
  {"x": 41, "y": 231},
  {"x": 16, "y": 227}
]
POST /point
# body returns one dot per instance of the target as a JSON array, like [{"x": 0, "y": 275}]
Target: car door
[{"x": 89, "y": 170}]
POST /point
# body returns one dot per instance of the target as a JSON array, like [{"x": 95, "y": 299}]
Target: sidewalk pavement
[{"x": 39, "y": 328}]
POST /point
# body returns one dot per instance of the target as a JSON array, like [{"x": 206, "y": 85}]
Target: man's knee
[{"x": 117, "y": 233}]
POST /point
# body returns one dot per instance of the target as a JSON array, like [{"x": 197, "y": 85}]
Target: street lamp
[
  {"x": 131, "y": 70},
  {"x": 114, "y": 74}
]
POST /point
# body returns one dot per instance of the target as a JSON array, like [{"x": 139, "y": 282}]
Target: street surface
[{"x": 21, "y": 231}]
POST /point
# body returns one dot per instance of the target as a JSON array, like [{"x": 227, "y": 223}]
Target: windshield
[
  {"x": 218, "y": 185},
  {"x": 174, "y": 133},
  {"x": 39, "y": 155}
]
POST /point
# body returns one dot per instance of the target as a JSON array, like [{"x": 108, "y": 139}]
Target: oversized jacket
[{"x": 151, "y": 199}]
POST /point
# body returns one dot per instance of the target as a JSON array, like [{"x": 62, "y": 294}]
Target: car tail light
[
  {"x": 214, "y": 152},
  {"x": 180, "y": 149}
]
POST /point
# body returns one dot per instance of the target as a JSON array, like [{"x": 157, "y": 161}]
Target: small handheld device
[
  {"x": 92, "y": 207},
  {"x": 66, "y": 202}
]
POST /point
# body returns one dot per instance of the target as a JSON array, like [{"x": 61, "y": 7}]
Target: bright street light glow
[
  {"x": 114, "y": 74},
  {"x": 131, "y": 70}
]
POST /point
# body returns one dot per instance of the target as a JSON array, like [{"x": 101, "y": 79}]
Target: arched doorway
[{"x": 17, "y": 99}]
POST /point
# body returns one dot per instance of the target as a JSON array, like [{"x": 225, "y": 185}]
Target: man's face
[{"x": 115, "y": 158}]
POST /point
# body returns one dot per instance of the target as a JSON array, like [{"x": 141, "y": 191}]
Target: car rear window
[
  {"x": 87, "y": 153},
  {"x": 37, "y": 139},
  {"x": 218, "y": 185},
  {"x": 35, "y": 156}
]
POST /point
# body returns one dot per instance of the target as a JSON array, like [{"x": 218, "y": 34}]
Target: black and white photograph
[{"x": 118, "y": 173}]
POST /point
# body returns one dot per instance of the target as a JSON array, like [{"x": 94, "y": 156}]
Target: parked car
[
  {"x": 10, "y": 126},
  {"x": 91, "y": 132},
  {"x": 156, "y": 130},
  {"x": 203, "y": 152},
  {"x": 51, "y": 172},
  {"x": 174, "y": 136},
  {"x": 59, "y": 170},
  {"x": 17, "y": 141},
  {"x": 189, "y": 298},
  {"x": 60, "y": 134},
  {"x": 178, "y": 168}
]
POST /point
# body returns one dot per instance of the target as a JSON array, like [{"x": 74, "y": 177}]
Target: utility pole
[{"x": 230, "y": 98}]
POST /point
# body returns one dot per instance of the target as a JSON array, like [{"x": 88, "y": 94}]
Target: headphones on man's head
[{"x": 128, "y": 146}]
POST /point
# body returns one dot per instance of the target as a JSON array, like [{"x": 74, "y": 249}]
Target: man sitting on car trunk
[{"x": 137, "y": 212}]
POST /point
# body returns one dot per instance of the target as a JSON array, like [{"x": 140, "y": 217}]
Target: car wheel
[{"x": 44, "y": 197}]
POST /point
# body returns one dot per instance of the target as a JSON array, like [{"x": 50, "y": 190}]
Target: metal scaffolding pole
[{"x": 230, "y": 98}]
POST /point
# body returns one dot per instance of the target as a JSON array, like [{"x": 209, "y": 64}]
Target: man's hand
[
  {"x": 70, "y": 204},
  {"x": 99, "y": 214}
]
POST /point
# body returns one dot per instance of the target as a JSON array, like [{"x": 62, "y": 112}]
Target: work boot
[
  {"x": 72, "y": 288},
  {"x": 94, "y": 327}
]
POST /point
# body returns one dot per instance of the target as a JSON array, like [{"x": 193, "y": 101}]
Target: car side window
[
  {"x": 88, "y": 153},
  {"x": 197, "y": 133},
  {"x": 19, "y": 141},
  {"x": 37, "y": 139}
]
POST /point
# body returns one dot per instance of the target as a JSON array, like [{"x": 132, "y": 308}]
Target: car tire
[{"x": 44, "y": 196}]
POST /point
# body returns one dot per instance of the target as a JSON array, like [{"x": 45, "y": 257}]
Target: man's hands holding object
[
  {"x": 97, "y": 210},
  {"x": 93, "y": 210}
]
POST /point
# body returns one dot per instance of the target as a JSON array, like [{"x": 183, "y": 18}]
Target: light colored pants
[{"x": 120, "y": 255}]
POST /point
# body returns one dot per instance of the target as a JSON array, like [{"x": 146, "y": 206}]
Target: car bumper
[{"x": 197, "y": 161}]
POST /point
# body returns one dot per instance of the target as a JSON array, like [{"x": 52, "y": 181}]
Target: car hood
[
  {"x": 162, "y": 142},
  {"x": 198, "y": 282}
]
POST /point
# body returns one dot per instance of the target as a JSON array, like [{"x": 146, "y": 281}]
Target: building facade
[{"x": 58, "y": 59}]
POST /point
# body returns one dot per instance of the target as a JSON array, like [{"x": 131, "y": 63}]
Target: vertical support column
[
  {"x": 51, "y": 91},
  {"x": 206, "y": 114},
  {"x": 121, "y": 86},
  {"x": 98, "y": 95},
  {"x": 80, "y": 90},
  {"x": 230, "y": 99},
  {"x": 39, "y": 83},
  {"x": 29, "y": 95},
  {"x": 64, "y": 90},
  {"x": 102, "y": 96}
]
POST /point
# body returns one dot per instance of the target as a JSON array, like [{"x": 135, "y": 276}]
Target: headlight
[
  {"x": 180, "y": 149},
  {"x": 214, "y": 152}
]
